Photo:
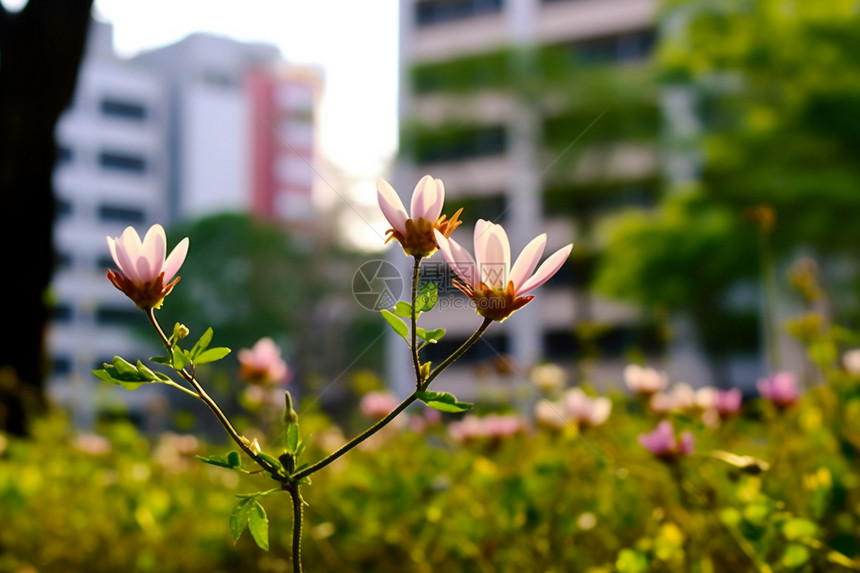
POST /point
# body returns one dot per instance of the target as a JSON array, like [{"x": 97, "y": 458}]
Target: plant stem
[
  {"x": 416, "y": 362},
  {"x": 298, "y": 514},
  {"x": 402, "y": 406},
  {"x": 201, "y": 393}
]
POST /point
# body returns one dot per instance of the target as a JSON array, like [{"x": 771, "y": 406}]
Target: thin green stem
[
  {"x": 243, "y": 443},
  {"x": 459, "y": 352},
  {"x": 298, "y": 514},
  {"x": 182, "y": 388},
  {"x": 416, "y": 361},
  {"x": 402, "y": 406}
]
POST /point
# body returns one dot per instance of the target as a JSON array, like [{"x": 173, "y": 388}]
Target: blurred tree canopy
[
  {"x": 247, "y": 279},
  {"x": 777, "y": 86}
]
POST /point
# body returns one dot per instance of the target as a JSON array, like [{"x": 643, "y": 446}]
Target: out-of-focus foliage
[
  {"x": 413, "y": 499},
  {"x": 777, "y": 92}
]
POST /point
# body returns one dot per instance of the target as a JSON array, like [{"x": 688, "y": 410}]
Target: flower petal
[
  {"x": 527, "y": 261},
  {"x": 391, "y": 206},
  {"x": 481, "y": 236},
  {"x": 547, "y": 269},
  {"x": 459, "y": 259},
  {"x": 175, "y": 260},
  {"x": 423, "y": 199},
  {"x": 435, "y": 209},
  {"x": 153, "y": 250},
  {"x": 496, "y": 266},
  {"x": 127, "y": 251}
]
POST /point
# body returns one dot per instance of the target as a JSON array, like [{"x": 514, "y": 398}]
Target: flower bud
[
  {"x": 180, "y": 331},
  {"x": 290, "y": 415}
]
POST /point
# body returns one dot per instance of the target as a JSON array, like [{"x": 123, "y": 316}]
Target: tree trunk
[{"x": 40, "y": 52}]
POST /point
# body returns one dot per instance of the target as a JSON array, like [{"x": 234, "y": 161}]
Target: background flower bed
[{"x": 540, "y": 500}]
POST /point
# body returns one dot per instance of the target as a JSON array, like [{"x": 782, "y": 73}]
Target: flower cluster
[
  {"x": 262, "y": 364},
  {"x": 575, "y": 408},
  {"x": 488, "y": 279},
  {"x": 663, "y": 443}
]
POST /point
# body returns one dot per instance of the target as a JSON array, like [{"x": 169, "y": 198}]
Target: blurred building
[
  {"x": 205, "y": 125},
  {"x": 520, "y": 107},
  {"x": 111, "y": 173},
  {"x": 241, "y": 133}
]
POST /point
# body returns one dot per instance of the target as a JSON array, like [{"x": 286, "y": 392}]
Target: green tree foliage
[
  {"x": 247, "y": 279},
  {"x": 778, "y": 91}
]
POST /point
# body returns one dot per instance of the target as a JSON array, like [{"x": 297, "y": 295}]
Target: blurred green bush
[{"x": 415, "y": 500}]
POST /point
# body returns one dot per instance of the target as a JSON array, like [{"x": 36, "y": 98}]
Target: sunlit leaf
[
  {"x": 444, "y": 402},
  {"x": 398, "y": 325}
]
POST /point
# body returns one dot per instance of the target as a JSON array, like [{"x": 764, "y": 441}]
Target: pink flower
[
  {"x": 644, "y": 380},
  {"x": 415, "y": 233},
  {"x": 496, "y": 287},
  {"x": 663, "y": 444},
  {"x": 494, "y": 427},
  {"x": 780, "y": 388},
  {"x": 377, "y": 405},
  {"x": 728, "y": 402},
  {"x": 262, "y": 364},
  {"x": 680, "y": 398},
  {"x": 144, "y": 274},
  {"x": 851, "y": 361},
  {"x": 586, "y": 411}
]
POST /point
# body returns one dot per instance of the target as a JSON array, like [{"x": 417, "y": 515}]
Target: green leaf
[
  {"x": 398, "y": 325},
  {"x": 240, "y": 516},
  {"x": 427, "y": 297},
  {"x": 444, "y": 402},
  {"x": 125, "y": 369},
  {"x": 292, "y": 441},
  {"x": 161, "y": 360},
  {"x": 105, "y": 374},
  {"x": 231, "y": 460},
  {"x": 631, "y": 561},
  {"x": 795, "y": 555},
  {"x": 300, "y": 448},
  {"x": 234, "y": 459},
  {"x": 403, "y": 308},
  {"x": 201, "y": 344},
  {"x": 274, "y": 462},
  {"x": 180, "y": 360},
  {"x": 212, "y": 355},
  {"x": 798, "y": 528},
  {"x": 258, "y": 525},
  {"x": 146, "y": 372},
  {"x": 431, "y": 336}
]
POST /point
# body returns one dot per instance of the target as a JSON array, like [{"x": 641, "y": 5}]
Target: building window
[
  {"x": 64, "y": 208},
  {"x": 460, "y": 144},
  {"x": 63, "y": 260},
  {"x": 120, "y": 214},
  {"x": 126, "y": 162},
  {"x": 615, "y": 49},
  {"x": 123, "y": 109},
  {"x": 117, "y": 316},
  {"x": 61, "y": 365},
  {"x": 429, "y": 12},
  {"x": 64, "y": 154},
  {"x": 61, "y": 313}
]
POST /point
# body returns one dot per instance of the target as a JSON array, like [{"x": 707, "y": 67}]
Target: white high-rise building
[{"x": 110, "y": 174}]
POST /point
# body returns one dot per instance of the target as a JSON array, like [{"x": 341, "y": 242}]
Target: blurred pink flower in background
[
  {"x": 262, "y": 364},
  {"x": 550, "y": 415},
  {"x": 680, "y": 398},
  {"x": 493, "y": 427},
  {"x": 663, "y": 444},
  {"x": 644, "y": 380},
  {"x": 585, "y": 410},
  {"x": 728, "y": 402},
  {"x": 144, "y": 273},
  {"x": 377, "y": 405},
  {"x": 780, "y": 388}
]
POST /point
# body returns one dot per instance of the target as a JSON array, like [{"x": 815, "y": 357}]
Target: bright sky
[{"x": 355, "y": 43}]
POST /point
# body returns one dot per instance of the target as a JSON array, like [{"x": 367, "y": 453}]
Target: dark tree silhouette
[{"x": 40, "y": 52}]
